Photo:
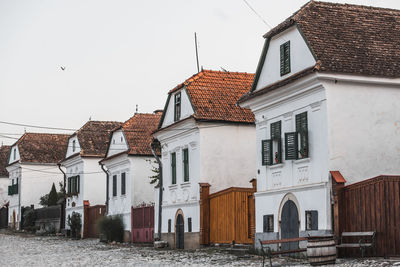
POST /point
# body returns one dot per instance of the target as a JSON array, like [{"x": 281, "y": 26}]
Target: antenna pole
[{"x": 197, "y": 53}]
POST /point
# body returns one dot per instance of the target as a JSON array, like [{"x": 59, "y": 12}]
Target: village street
[{"x": 17, "y": 250}]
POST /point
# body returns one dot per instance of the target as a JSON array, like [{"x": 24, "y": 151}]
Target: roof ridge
[{"x": 354, "y": 6}]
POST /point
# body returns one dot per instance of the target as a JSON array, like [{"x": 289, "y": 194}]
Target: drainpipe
[
  {"x": 65, "y": 199},
  {"x": 160, "y": 187},
  {"x": 107, "y": 186}
]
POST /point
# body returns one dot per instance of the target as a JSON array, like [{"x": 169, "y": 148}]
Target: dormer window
[
  {"x": 285, "y": 58},
  {"x": 73, "y": 145},
  {"x": 177, "y": 107}
]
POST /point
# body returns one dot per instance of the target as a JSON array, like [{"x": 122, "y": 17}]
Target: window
[
  {"x": 173, "y": 168},
  {"x": 123, "y": 183},
  {"x": 185, "y": 165},
  {"x": 169, "y": 226},
  {"x": 13, "y": 189},
  {"x": 14, "y": 154},
  {"x": 114, "y": 185},
  {"x": 177, "y": 107},
  {"x": 73, "y": 185},
  {"x": 73, "y": 145},
  {"x": 296, "y": 143},
  {"x": 268, "y": 223},
  {"x": 285, "y": 58},
  {"x": 311, "y": 220},
  {"x": 189, "y": 225},
  {"x": 272, "y": 148}
]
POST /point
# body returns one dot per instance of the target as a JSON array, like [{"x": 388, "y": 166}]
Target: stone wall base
[{"x": 191, "y": 240}]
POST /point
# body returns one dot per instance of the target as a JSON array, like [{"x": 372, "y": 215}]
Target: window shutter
[
  {"x": 276, "y": 130},
  {"x": 186, "y": 165},
  {"x": 280, "y": 150},
  {"x": 301, "y": 122},
  {"x": 114, "y": 185},
  {"x": 266, "y": 152},
  {"x": 169, "y": 226},
  {"x": 10, "y": 190},
  {"x": 265, "y": 223},
  {"x": 173, "y": 167},
  {"x": 189, "y": 224},
  {"x": 314, "y": 220},
  {"x": 16, "y": 187},
  {"x": 282, "y": 59},
  {"x": 291, "y": 145},
  {"x": 123, "y": 184},
  {"x": 302, "y": 129},
  {"x": 78, "y": 183},
  {"x": 69, "y": 185}
]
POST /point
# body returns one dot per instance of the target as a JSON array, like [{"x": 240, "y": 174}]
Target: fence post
[{"x": 204, "y": 213}]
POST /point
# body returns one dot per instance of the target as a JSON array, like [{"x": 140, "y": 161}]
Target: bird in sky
[{"x": 62, "y": 68}]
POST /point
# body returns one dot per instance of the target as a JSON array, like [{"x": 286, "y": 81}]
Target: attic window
[
  {"x": 177, "y": 107},
  {"x": 15, "y": 154},
  {"x": 285, "y": 58},
  {"x": 73, "y": 145}
]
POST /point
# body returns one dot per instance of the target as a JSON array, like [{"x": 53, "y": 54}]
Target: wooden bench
[
  {"x": 266, "y": 250},
  {"x": 366, "y": 240}
]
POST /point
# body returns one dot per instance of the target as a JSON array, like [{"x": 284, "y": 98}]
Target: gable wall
[
  {"x": 70, "y": 150},
  {"x": 11, "y": 156},
  {"x": 118, "y": 143},
  {"x": 186, "y": 108},
  {"x": 300, "y": 57}
]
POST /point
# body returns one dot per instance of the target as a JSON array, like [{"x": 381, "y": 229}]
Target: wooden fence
[
  {"x": 227, "y": 216},
  {"x": 372, "y": 205}
]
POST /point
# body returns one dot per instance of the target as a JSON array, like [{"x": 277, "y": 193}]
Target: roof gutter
[
  {"x": 107, "y": 184},
  {"x": 160, "y": 186},
  {"x": 64, "y": 196}
]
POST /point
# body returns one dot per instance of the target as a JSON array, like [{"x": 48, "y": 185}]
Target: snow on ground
[{"x": 24, "y": 250}]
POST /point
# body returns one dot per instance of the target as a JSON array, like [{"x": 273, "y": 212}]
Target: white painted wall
[
  {"x": 35, "y": 181},
  {"x": 94, "y": 182},
  {"x": 186, "y": 108},
  {"x": 138, "y": 188},
  {"x": 300, "y": 57},
  {"x": 227, "y": 155},
  {"x": 71, "y": 150},
  {"x": 118, "y": 143},
  {"x": 364, "y": 126}
]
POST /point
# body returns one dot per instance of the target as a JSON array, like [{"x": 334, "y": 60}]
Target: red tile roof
[
  {"x": 350, "y": 38},
  {"x": 138, "y": 132},
  {"x": 42, "y": 147},
  {"x": 93, "y": 137},
  {"x": 4, "y": 150},
  {"x": 214, "y": 94}
]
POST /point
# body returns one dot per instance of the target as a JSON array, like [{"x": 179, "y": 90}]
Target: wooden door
[
  {"x": 289, "y": 225},
  {"x": 143, "y": 224},
  {"x": 179, "y": 232}
]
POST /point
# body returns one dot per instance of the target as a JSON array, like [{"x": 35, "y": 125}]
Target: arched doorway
[
  {"x": 289, "y": 224},
  {"x": 179, "y": 232}
]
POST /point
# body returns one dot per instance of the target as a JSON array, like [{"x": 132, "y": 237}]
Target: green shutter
[
  {"x": 10, "y": 190},
  {"x": 285, "y": 58},
  {"x": 173, "y": 168},
  {"x": 186, "y": 165},
  {"x": 302, "y": 129},
  {"x": 16, "y": 187},
  {"x": 266, "y": 152},
  {"x": 78, "y": 184},
  {"x": 69, "y": 185},
  {"x": 291, "y": 145},
  {"x": 276, "y": 130}
]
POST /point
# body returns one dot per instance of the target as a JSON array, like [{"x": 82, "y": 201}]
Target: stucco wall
[
  {"x": 71, "y": 149},
  {"x": 300, "y": 57},
  {"x": 364, "y": 127},
  {"x": 3, "y": 190},
  {"x": 227, "y": 155},
  {"x": 94, "y": 182},
  {"x": 118, "y": 143}
]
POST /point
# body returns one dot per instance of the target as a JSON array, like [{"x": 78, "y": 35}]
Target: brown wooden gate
[
  {"x": 227, "y": 216},
  {"x": 142, "y": 219},
  {"x": 91, "y": 215},
  {"x": 371, "y": 205}
]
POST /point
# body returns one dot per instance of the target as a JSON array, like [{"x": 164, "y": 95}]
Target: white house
[
  {"x": 326, "y": 98},
  {"x": 205, "y": 138},
  {"x": 85, "y": 180},
  {"x": 4, "y": 150},
  {"x": 129, "y": 162},
  {"x": 32, "y": 167}
]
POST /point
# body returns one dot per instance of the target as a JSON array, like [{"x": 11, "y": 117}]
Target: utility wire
[
  {"x": 258, "y": 15},
  {"x": 35, "y": 126}
]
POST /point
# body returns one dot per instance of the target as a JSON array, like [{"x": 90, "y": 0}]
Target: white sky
[{"x": 120, "y": 53}]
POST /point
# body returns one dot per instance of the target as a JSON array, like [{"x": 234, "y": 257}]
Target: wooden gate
[
  {"x": 4, "y": 217},
  {"x": 91, "y": 215},
  {"x": 142, "y": 224},
  {"x": 227, "y": 216},
  {"x": 371, "y": 205}
]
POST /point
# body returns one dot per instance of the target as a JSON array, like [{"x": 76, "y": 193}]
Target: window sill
[
  {"x": 174, "y": 186},
  {"x": 275, "y": 166},
  {"x": 299, "y": 161},
  {"x": 185, "y": 184}
]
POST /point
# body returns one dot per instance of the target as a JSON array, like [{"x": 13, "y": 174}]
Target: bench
[
  {"x": 266, "y": 250},
  {"x": 366, "y": 240}
]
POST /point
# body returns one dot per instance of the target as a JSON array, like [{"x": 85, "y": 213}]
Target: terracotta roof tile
[
  {"x": 138, "y": 132},
  {"x": 214, "y": 94},
  {"x": 42, "y": 147},
  {"x": 93, "y": 137},
  {"x": 4, "y": 150},
  {"x": 350, "y": 38}
]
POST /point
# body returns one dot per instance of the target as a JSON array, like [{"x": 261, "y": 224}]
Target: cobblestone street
[{"x": 22, "y": 250}]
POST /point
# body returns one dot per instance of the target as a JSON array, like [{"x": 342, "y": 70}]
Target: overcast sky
[{"x": 118, "y": 54}]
